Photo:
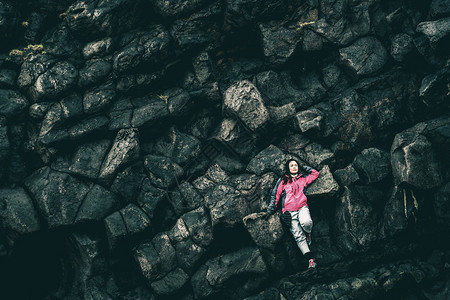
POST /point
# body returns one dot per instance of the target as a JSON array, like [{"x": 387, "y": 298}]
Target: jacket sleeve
[
  {"x": 271, "y": 208},
  {"x": 312, "y": 176}
]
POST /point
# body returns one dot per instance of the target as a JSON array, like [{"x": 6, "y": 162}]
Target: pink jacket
[{"x": 295, "y": 198}]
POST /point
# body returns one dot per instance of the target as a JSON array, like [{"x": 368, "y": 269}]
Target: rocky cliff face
[{"x": 139, "y": 142}]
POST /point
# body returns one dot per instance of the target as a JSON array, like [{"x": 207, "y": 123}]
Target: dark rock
[
  {"x": 99, "y": 48},
  {"x": 400, "y": 210},
  {"x": 4, "y": 140},
  {"x": 177, "y": 8},
  {"x": 34, "y": 28},
  {"x": 356, "y": 222},
  {"x": 346, "y": 176},
  {"x": 86, "y": 160},
  {"x": 156, "y": 259},
  {"x": 149, "y": 114},
  {"x": 7, "y": 78},
  {"x": 180, "y": 147},
  {"x": 270, "y": 159},
  {"x": 171, "y": 283},
  {"x": 441, "y": 205},
  {"x": 55, "y": 81},
  {"x": 60, "y": 43},
  {"x": 435, "y": 31},
  {"x": 18, "y": 215},
  {"x": 116, "y": 230},
  {"x": 324, "y": 186},
  {"x": 311, "y": 91},
  {"x": 97, "y": 99},
  {"x": 213, "y": 275},
  {"x": 283, "y": 113},
  {"x": 439, "y": 8},
  {"x": 227, "y": 206},
  {"x": 274, "y": 88},
  {"x": 124, "y": 150},
  {"x": 140, "y": 82},
  {"x": 128, "y": 182},
  {"x": 334, "y": 79},
  {"x": 58, "y": 196},
  {"x": 185, "y": 198},
  {"x": 316, "y": 155},
  {"x": 244, "y": 101},
  {"x": 97, "y": 205},
  {"x": 12, "y": 103},
  {"x": 373, "y": 165},
  {"x": 279, "y": 43},
  {"x": 33, "y": 67},
  {"x": 198, "y": 30},
  {"x": 94, "y": 71},
  {"x": 39, "y": 110},
  {"x": 343, "y": 22},
  {"x": 265, "y": 233},
  {"x": 414, "y": 157},
  {"x": 148, "y": 47},
  {"x": 432, "y": 86},
  {"x": 198, "y": 224},
  {"x": 162, "y": 171},
  {"x": 365, "y": 56},
  {"x": 88, "y": 126},
  {"x": 153, "y": 201},
  {"x": 401, "y": 45},
  {"x": 124, "y": 225},
  {"x": 178, "y": 102},
  {"x": 92, "y": 19},
  {"x": 309, "y": 119},
  {"x": 9, "y": 19},
  {"x": 242, "y": 13}
]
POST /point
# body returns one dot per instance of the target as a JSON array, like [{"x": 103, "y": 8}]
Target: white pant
[{"x": 301, "y": 223}]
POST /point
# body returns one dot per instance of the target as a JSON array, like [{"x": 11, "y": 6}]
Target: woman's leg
[
  {"x": 305, "y": 219},
  {"x": 298, "y": 233}
]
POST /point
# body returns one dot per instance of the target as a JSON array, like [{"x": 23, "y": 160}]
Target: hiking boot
[{"x": 312, "y": 264}]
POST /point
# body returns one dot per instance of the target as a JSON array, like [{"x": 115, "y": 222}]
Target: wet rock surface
[{"x": 140, "y": 142}]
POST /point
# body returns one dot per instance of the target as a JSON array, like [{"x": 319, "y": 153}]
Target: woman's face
[{"x": 293, "y": 167}]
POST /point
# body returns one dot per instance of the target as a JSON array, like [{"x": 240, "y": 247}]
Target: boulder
[
  {"x": 9, "y": 24},
  {"x": 199, "y": 30},
  {"x": 178, "y": 101},
  {"x": 12, "y": 103},
  {"x": 435, "y": 31},
  {"x": 177, "y": 8},
  {"x": 364, "y": 57},
  {"x": 309, "y": 120},
  {"x": 317, "y": 155},
  {"x": 58, "y": 196},
  {"x": 212, "y": 276},
  {"x": 97, "y": 205},
  {"x": 153, "y": 201},
  {"x": 171, "y": 283},
  {"x": 99, "y": 48},
  {"x": 185, "y": 198},
  {"x": 92, "y": 19},
  {"x": 7, "y": 78},
  {"x": 279, "y": 43},
  {"x": 4, "y": 140},
  {"x": 149, "y": 114},
  {"x": 266, "y": 233},
  {"x": 346, "y": 176},
  {"x": 324, "y": 185},
  {"x": 244, "y": 101},
  {"x": 94, "y": 71},
  {"x": 373, "y": 165},
  {"x": 441, "y": 205},
  {"x": 86, "y": 160},
  {"x": 59, "y": 42},
  {"x": 125, "y": 149},
  {"x": 439, "y": 8},
  {"x": 401, "y": 45},
  {"x": 162, "y": 171},
  {"x": 271, "y": 159},
  {"x": 55, "y": 81},
  {"x": 356, "y": 222},
  {"x": 415, "y": 154},
  {"x": 283, "y": 113},
  {"x": 142, "y": 48},
  {"x": 156, "y": 259},
  {"x": 179, "y": 147},
  {"x": 227, "y": 206},
  {"x": 128, "y": 182},
  {"x": 18, "y": 216},
  {"x": 199, "y": 226}
]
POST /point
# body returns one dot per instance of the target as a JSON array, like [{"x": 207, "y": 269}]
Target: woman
[{"x": 294, "y": 205}]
